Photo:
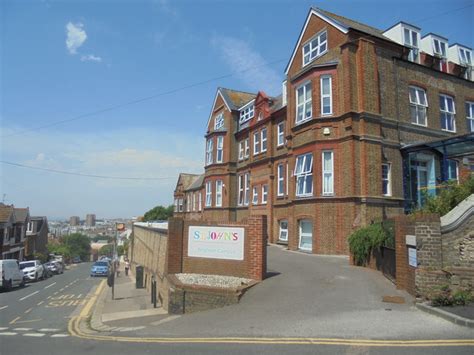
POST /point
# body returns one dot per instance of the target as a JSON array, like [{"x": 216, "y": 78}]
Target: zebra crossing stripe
[
  {"x": 37, "y": 335},
  {"x": 59, "y": 335},
  {"x": 8, "y": 333}
]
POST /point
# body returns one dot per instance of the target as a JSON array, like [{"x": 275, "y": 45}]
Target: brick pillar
[
  {"x": 174, "y": 262},
  {"x": 405, "y": 274},
  {"x": 257, "y": 251}
]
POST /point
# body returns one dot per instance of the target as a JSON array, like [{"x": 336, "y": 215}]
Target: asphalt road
[{"x": 44, "y": 307}]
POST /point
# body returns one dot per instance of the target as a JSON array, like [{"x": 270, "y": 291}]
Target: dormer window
[
  {"x": 316, "y": 47},
  {"x": 219, "y": 121},
  {"x": 247, "y": 112},
  {"x": 411, "y": 40},
  {"x": 439, "y": 48},
  {"x": 464, "y": 56}
]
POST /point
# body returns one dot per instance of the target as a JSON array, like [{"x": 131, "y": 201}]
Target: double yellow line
[{"x": 74, "y": 328}]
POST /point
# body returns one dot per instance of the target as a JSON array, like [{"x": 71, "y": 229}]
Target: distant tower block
[
  {"x": 90, "y": 220},
  {"x": 74, "y": 221}
]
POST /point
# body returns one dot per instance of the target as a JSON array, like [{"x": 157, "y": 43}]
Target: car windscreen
[
  {"x": 101, "y": 263},
  {"x": 27, "y": 264}
]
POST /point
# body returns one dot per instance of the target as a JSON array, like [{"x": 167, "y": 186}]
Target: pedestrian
[{"x": 127, "y": 266}]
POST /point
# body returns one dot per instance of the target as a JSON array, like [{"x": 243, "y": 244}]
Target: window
[
  {"x": 328, "y": 172},
  {"x": 264, "y": 140},
  {"x": 199, "y": 201},
  {"x": 219, "y": 185},
  {"x": 219, "y": 121},
  {"x": 306, "y": 235},
  {"x": 180, "y": 205},
  {"x": 194, "y": 202},
  {"x": 326, "y": 95},
  {"x": 470, "y": 116},
  {"x": 304, "y": 175},
  {"x": 260, "y": 116},
  {"x": 29, "y": 227},
  {"x": 281, "y": 180},
  {"x": 209, "y": 148},
  {"x": 315, "y": 47},
  {"x": 247, "y": 113},
  {"x": 188, "y": 203},
  {"x": 304, "y": 110},
  {"x": 247, "y": 148},
  {"x": 256, "y": 143},
  {"x": 264, "y": 193},
  {"x": 464, "y": 56},
  {"x": 247, "y": 189},
  {"x": 208, "y": 194},
  {"x": 447, "y": 112},
  {"x": 452, "y": 170},
  {"x": 220, "y": 149},
  {"x": 241, "y": 150},
  {"x": 283, "y": 234},
  {"x": 240, "y": 202},
  {"x": 281, "y": 134},
  {"x": 439, "y": 48},
  {"x": 255, "y": 195},
  {"x": 176, "y": 205},
  {"x": 386, "y": 179},
  {"x": 411, "y": 40},
  {"x": 418, "y": 105}
]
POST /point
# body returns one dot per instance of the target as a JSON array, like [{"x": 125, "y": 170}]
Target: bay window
[{"x": 304, "y": 175}]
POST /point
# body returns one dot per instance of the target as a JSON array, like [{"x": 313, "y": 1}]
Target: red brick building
[{"x": 341, "y": 147}]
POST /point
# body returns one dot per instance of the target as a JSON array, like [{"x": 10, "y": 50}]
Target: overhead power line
[
  {"x": 83, "y": 174},
  {"x": 443, "y": 13},
  {"x": 135, "y": 101}
]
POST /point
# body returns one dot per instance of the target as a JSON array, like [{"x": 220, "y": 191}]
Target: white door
[{"x": 306, "y": 235}]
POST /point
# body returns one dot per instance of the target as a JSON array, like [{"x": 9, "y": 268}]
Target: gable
[{"x": 218, "y": 101}]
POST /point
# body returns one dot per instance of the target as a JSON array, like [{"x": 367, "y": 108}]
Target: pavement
[{"x": 307, "y": 299}]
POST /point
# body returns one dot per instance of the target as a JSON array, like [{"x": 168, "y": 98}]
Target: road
[{"x": 34, "y": 320}]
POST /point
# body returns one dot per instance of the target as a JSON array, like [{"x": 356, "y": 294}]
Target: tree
[
  {"x": 78, "y": 244},
  {"x": 159, "y": 213},
  {"x": 107, "y": 250}
]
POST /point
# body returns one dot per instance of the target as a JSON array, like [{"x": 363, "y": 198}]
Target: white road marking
[
  {"x": 3, "y": 328},
  {"x": 40, "y": 303},
  {"x": 59, "y": 335},
  {"x": 37, "y": 335},
  {"x": 54, "y": 283},
  {"x": 7, "y": 333},
  {"x": 48, "y": 330},
  {"x": 22, "y": 329},
  {"x": 28, "y": 310},
  {"x": 31, "y": 294},
  {"x": 3, "y": 307}
]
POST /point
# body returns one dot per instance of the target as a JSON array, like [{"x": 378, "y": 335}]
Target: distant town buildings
[
  {"x": 74, "y": 221},
  {"x": 90, "y": 220}
]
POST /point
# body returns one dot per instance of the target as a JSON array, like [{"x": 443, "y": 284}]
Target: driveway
[{"x": 315, "y": 296}]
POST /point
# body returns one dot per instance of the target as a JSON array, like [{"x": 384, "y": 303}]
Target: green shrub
[
  {"x": 450, "y": 196},
  {"x": 462, "y": 297},
  {"x": 364, "y": 240},
  {"x": 445, "y": 297}
]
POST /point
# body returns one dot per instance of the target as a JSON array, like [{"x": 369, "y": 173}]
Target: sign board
[
  {"x": 412, "y": 257},
  {"x": 216, "y": 242},
  {"x": 410, "y": 240}
]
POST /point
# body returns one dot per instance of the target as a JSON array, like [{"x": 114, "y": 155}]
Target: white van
[{"x": 11, "y": 274}]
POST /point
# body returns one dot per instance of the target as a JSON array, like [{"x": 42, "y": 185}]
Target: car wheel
[{"x": 9, "y": 285}]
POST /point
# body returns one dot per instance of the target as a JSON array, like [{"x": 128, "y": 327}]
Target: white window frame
[
  {"x": 180, "y": 205},
  {"x": 255, "y": 195},
  {"x": 417, "y": 104},
  {"x": 219, "y": 121},
  {"x": 194, "y": 201},
  {"x": 263, "y": 140},
  {"x": 219, "y": 187},
  {"x": 176, "y": 205},
  {"x": 470, "y": 115},
  {"x": 29, "y": 227},
  {"x": 446, "y": 115},
  {"x": 283, "y": 231},
  {"x": 281, "y": 134},
  {"x": 324, "y": 96},
  {"x": 456, "y": 164},
  {"x": 247, "y": 148},
  {"x": 246, "y": 189},
  {"x": 200, "y": 201},
  {"x": 241, "y": 150},
  {"x": 220, "y": 149},
  {"x": 326, "y": 191},
  {"x": 304, "y": 175},
  {"x": 306, "y": 102},
  {"x": 247, "y": 112},
  {"x": 465, "y": 56},
  {"x": 209, "y": 150},
  {"x": 387, "y": 179},
  {"x": 280, "y": 180},
  {"x": 442, "y": 45},
  {"x": 264, "y": 194},
  {"x": 414, "y": 55},
  {"x": 208, "y": 194},
  {"x": 188, "y": 203},
  {"x": 314, "y": 48},
  {"x": 301, "y": 234},
  {"x": 256, "y": 143},
  {"x": 240, "y": 201}
]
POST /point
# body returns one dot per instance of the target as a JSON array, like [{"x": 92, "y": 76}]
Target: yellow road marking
[
  {"x": 14, "y": 320},
  {"x": 87, "y": 308},
  {"x": 28, "y": 321},
  {"x": 28, "y": 310}
]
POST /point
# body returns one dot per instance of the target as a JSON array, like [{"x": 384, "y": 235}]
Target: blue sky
[{"x": 63, "y": 59}]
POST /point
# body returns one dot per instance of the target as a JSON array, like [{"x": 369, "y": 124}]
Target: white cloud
[
  {"x": 247, "y": 64},
  {"x": 90, "y": 58},
  {"x": 76, "y": 36}
]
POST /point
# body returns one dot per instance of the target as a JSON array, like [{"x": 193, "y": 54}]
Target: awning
[{"x": 452, "y": 147}]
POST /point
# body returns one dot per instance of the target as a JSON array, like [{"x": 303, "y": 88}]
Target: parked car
[
  {"x": 55, "y": 267},
  {"x": 100, "y": 268},
  {"x": 11, "y": 274},
  {"x": 32, "y": 270},
  {"x": 76, "y": 260},
  {"x": 47, "y": 271}
]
